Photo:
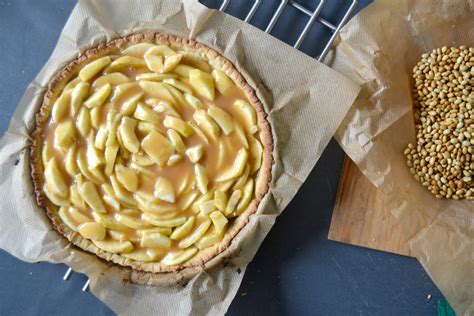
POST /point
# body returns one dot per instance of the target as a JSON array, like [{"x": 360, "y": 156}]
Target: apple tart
[{"x": 151, "y": 151}]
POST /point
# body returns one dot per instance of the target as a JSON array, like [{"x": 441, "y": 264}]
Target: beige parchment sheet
[
  {"x": 378, "y": 49},
  {"x": 305, "y": 102}
]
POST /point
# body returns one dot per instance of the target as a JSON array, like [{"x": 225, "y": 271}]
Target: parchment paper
[
  {"x": 378, "y": 49},
  {"x": 305, "y": 101}
]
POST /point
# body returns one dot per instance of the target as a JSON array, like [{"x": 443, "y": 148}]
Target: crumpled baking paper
[{"x": 305, "y": 102}]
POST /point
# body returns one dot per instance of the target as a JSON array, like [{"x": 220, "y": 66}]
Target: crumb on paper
[{"x": 428, "y": 297}]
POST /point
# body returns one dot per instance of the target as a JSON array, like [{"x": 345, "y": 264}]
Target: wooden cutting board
[{"x": 359, "y": 217}]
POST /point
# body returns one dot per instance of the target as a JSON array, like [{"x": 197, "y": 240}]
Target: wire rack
[{"x": 314, "y": 17}]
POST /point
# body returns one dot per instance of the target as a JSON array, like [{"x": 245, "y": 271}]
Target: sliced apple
[
  {"x": 171, "y": 62},
  {"x": 164, "y": 190},
  {"x": 202, "y": 83},
  {"x": 67, "y": 218},
  {"x": 61, "y": 106},
  {"x": 131, "y": 221},
  {"x": 142, "y": 159},
  {"x": 219, "y": 221},
  {"x": 202, "y": 178},
  {"x": 243, "y": 178},
  {"x": 198, "y": 131},
  {"x": 206, "y": 123},
  {"x": 203, "y": 198},
  {"x": 101, "y": 137},
  {"x": 46, "y": 152},
  {"x": 54, "y": 198},
  {"x": 246, "y": 196},
  {"x": 196, "y": 234},
  {"x": 78, "y": 95},
  {"x": 178, "y": 85},
  {"x": 121, "y": 194},
  {"x": 78, "y": 216},
  {"x": 256, "y": 154},
  {"x": 207, "y": 207},
  {"x": 247, "y": 114},
  {"x": 155, "y": 240},
  {"x": 108, "y": 221},
  {"x": 93, "y": 175},
  {"x": 152, "y": 76},
  {"x": 195, "y": 153},
  {"x": 220, "y": 200},
  {"x": 211, "y": 238},
  {"x": 183, "y": 230},
  {"x": 137, "y": 50},
  {"x": 114, "y": 246},
  {"x": 91, "y": 197},
  {"x": 130, "y": 104},
  {"x": 125, "y": 62},
  {"x": 162, "y": 230},
  {"x": 127, "y": 133},
  {"x": 178, "y": 257},
  {"x": 144, "y": 113},
  {"x": 222, "y": 118},
  {"x": 91, "y": 230},
  {"x": 72, "y": 84},
  {"x": 195, "y": 60},
  {"x": 225, "y": 185},
  {"x": 143, "y": 255},
  {"x": 75, "y": 197},
  {"x": 123, "y": 89},
  {"x": 113, "y": 120},
  {"x": 164, "y": 223},
  {"x": 157, "y": 147},
  {"x": 154, "y": 60},
  {"x": 233, "y": 202},
  {"x": 183, "y": 70},
  {"x": 114, "y": 79},
  {"x": 176, "y": 140},
  {"x": 65, "y": 135},
  {"x": 127, "y": 177},
  {"x": 94, "y": 156},
  {"x": 237, "y": 167},
  {"x": 55, "y": 180},
  {"x": 90, "y": 70},
  {"x": 187, "y": 199},
  {"x": 111, "y": 201},
  {"x": 177, "y": 95},
  {"x": 83, "y": 122},
  {"x": 222, "y": 82},
  {"x": 145, "y": 127},
  {"x": 163, "y": 107},
  {"x": 178, "y": 125},
  {"x": 110, "y": 157},
  {"x": 239, "y": 131},
  {"x": 99, "y": 97},
  {"x": 193, "y": 101},
  {"x": 157, "y": 90}
]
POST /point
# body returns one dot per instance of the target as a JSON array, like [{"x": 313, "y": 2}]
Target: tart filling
[{"x": 152, "y": 149}]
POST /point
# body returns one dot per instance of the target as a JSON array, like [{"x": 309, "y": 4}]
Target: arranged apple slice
[
  {"x": 157, "y": 147},
  {"x": 55, "y": 180},
  {"x": 202, "y": 83}
]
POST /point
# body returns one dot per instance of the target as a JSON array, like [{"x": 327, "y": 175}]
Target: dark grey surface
[{"x": 296, "y": 271}]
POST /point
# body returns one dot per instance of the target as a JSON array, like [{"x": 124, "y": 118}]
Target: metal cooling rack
[{"x": 314, "y": 16}]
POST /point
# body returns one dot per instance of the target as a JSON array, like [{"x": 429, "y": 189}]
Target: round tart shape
[{"x": 151, "y": 151}]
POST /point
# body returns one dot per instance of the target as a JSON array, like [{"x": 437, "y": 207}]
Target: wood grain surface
[{"x": 359, "y": 217}]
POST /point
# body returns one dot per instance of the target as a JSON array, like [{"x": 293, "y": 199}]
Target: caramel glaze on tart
[{"x": 151, "y": 151}]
